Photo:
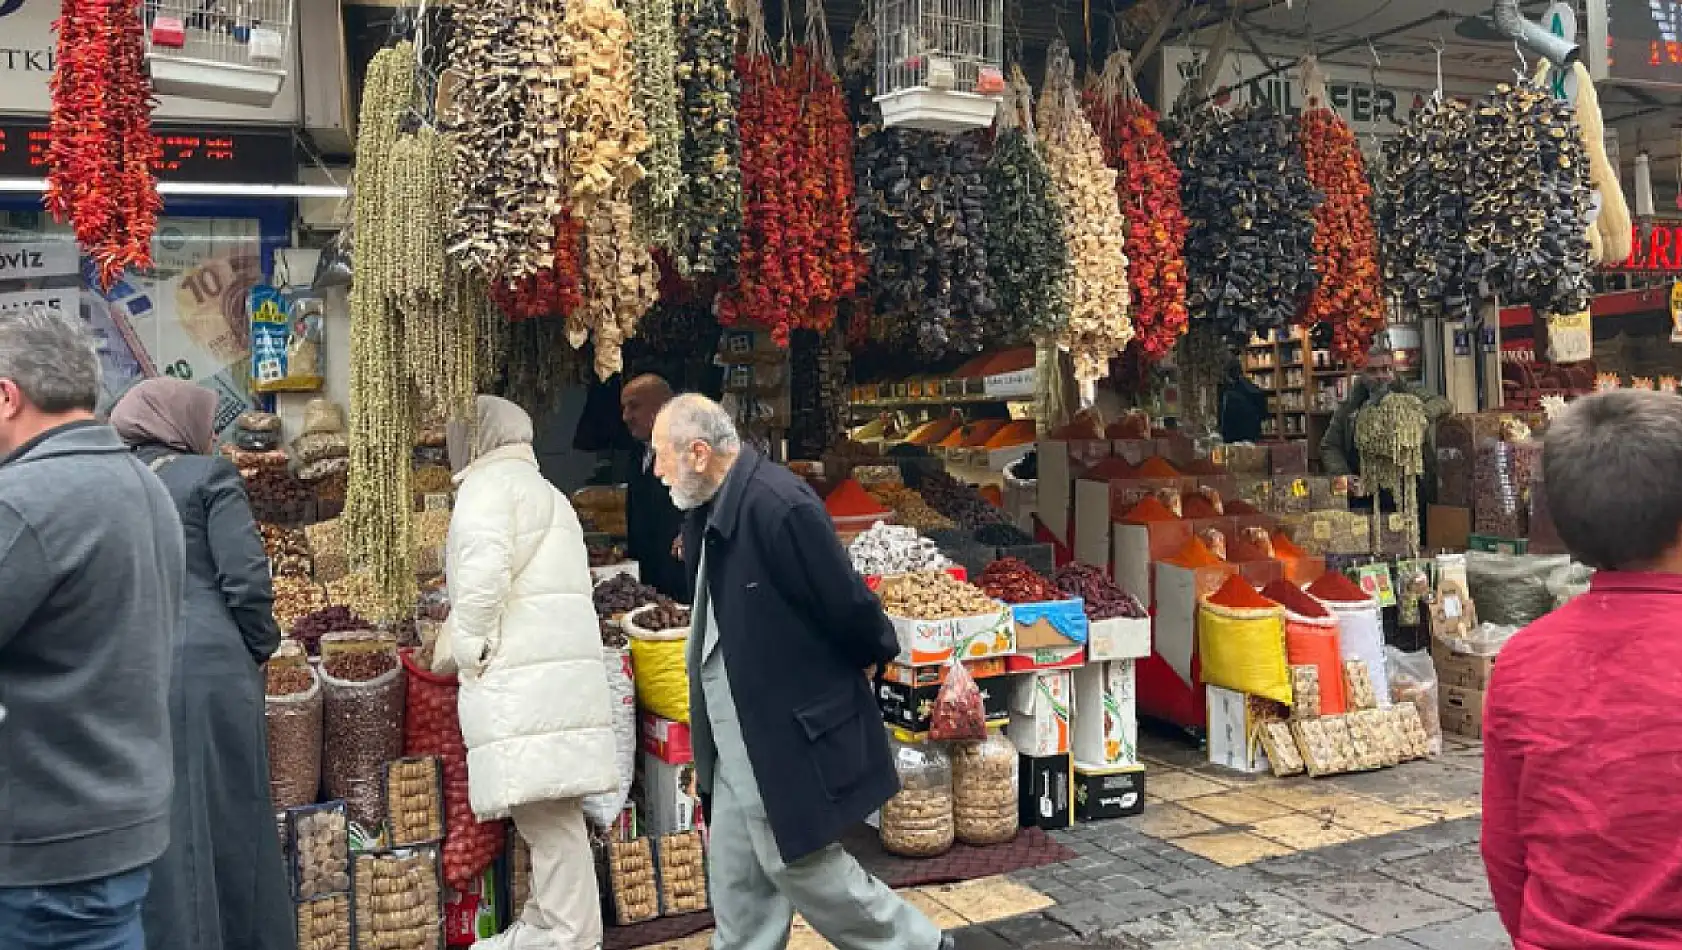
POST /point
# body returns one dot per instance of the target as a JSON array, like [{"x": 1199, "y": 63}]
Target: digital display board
[
  {"x": 189, "y": 155},
  {"x": 1636, "y": 42}
]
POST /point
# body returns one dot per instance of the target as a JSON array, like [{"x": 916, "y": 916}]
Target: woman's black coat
[{"x": 798, "y": 629}]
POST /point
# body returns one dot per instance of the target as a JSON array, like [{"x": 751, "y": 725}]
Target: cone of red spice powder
[
  {"x": 850, "y": 500},
  {"x": 1113, "y": 467},
  {"x": 1156, "y": 467},
  {"x": 1336, "y": 588},
  {"x": 1292, "y": 598},
  {"x": 1239, "y": 595},
  {"x": 1147, "y": 511}
]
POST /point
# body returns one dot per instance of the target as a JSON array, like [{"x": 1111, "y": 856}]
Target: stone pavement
[{"x": 1383, "y": 860}]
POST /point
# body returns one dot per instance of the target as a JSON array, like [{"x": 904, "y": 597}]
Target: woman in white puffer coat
[{"x": 534, "y": 700}]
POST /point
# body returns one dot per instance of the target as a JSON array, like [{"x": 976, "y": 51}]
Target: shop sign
[
  {"x": 1379, "y": 107},
  {"x": 1019, "y": 384},
  {"x": 1660, "y": 251},
  {"x": 27, "y": 45},
  {"x": 31, "y": 260}
]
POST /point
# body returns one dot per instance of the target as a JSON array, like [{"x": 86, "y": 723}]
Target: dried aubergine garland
[
  {"x": 1348, "y": 295},
  {"x": 1429, "y": 266},
  {"x": 1148, "y": 184},
  {"x": 1250, "y": 214},
  {"x": 101, "y": 150},
  {"x": 1027, "y": 253},
  {"x": 709, "y": 207}
]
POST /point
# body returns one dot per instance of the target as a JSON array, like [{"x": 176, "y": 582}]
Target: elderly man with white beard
[{"x": 789, "y": 745}]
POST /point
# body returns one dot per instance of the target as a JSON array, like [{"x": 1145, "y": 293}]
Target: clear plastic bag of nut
[
  {"x": 398, "y": 899},
  {"x": 984, "y": 791},
  {"x": 324, "y": 923},
  {"x": 414, "y": 800},
  {"x": 918, "y": 822},
  {"x": 318, "y": 841}
]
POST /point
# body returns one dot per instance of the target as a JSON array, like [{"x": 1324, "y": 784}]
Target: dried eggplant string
[
  {"x": 1099, "y": 328},
  {"x": 709, "y": 206},
  {"x": 1027, "y": 252}
]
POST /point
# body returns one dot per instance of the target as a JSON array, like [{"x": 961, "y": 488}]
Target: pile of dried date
[{"x": 1014, "y": 582}]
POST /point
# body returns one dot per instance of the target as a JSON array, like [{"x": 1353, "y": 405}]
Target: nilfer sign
[{"x": 1660, "y": 251}]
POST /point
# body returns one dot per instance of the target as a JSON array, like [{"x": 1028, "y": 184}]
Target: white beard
[{"x": 690, "y": 492}]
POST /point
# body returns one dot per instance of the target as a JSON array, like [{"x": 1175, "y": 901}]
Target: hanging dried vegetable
[
  {"x": 505, "y": 115},
  {"x": 101, "y": 149},
  {"x": 654, "y": 48},
  {"x": 1348, "y": 295},
  {"x": 1428, "y": 265},
  {"x": 382, "y": 417},
  {"x": 605, "y": 135},
  {"x": 1099, "y": 328},
  {"x": 1148, "y": 184},
  {"x": 1390, "y": 437},
  {"x": 1250, "y": 214},
  {"x": 709, "y": 208},
  {"x": 556, "y": 290},
  {"x": 1027, "y": 253}
]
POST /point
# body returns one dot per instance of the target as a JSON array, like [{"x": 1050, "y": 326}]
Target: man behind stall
[
  {"x": 1338, "y": 455},
  {"x": 652, "y": 521},
  {"x": 1583, "y": 721}
]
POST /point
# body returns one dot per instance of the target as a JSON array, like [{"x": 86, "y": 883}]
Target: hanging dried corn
[
  {"x": 654, "y": 48},
  {"x": 1027, "y": 253},
  {"x": 1098, "y": 328},
  {"x": 605, "y": 135},
  {"x": 709, "y": 208},
  {"x": 1148, "y": 184},
  {"x": 382, "y": 416}
]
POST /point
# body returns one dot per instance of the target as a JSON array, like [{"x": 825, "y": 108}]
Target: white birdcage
[
  {"x": 939, "y": 63},
  {"x": 223, "y": 50}
]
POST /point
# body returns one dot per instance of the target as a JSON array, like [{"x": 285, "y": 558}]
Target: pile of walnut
[
  {"x": 933, "y": 595},
  {"x": 397, "y": 900},
  {"x": 324, "y": 924},
  {"x": 321, "y": 851},
  {"x": 414, "y": 801},
  {"x": 636, "y": 897},
  {"x": 683, "y": 874}
]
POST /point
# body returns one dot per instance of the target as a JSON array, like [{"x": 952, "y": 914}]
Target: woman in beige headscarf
[
  {"x": 534, "y": 702},
  {"x": 221, "y": 885}
]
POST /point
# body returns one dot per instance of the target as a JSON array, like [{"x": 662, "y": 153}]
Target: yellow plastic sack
[
  {"x": 1243, "y": 649},
  {"x": 659, "y": 663}
]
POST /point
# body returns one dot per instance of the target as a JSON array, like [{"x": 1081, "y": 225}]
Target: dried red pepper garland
[
  {"x": 554, "y": 291},
  {"x": 100, "y": 157},
  {"x": 1148, "y": 183},
  {"x": 798, "y": 259},
  {"x": 1345, "y": 239}
]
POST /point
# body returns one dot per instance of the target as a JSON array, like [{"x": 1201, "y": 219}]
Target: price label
[
  {"x": 1451, "y": 607},
  {"x": 1322, "y": 531},
  {"x": 1299, "y": 488},
  {"x": 1396, "y": 522}
]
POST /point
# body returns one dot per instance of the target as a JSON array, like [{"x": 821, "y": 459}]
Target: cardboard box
[
  {"x": 1047, "y": 788},
  {"x": 1052, "y": 624},
  {"x": 473, "y": 914},
  {"x": 1462, "y": 670},
  {"x": 1040, "y": 709},
  {"x": 1105, "y": 794},
  {"x": 1119, "y": 638},
  {"x": 1447, "y": 527},
  {"x": 1092, "y": 523},
  {"x": 1137, "y": 546},
  {"x": 1174, "y": 624},
  {"x": 908, "y": 707},
  {"x": 664, "y": 739},
  {"x": 1106, "y": 724},
  {"x": 1461, "y": 710},
  {"x": 931, "y": 642},
  {"x": 1495, "y": 545},
  {"x": 1046, "y": 658},
  {"x": 1056, "y": 489},
  {"x": 671, "y": 802},
  {"x": 1234, "y": 732}
]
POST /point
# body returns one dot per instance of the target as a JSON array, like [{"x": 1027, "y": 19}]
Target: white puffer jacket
[{"x": 534, "y": 698}]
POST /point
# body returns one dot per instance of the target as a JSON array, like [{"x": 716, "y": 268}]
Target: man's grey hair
[
  {"x": 51, "y": 357},
  {"x": 1609, "y": 468},
  {"x": 692, "y": 417}
]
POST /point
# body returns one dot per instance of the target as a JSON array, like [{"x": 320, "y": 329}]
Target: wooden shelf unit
[{"x": 1294, "y": 375}]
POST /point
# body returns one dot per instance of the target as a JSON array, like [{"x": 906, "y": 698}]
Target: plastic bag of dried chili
[{"x": 958, "y": 712}]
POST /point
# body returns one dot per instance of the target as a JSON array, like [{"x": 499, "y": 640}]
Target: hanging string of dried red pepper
[
  {"x": 101, "y": 152},
  {"x": 1148, "y": 183},
  {"x": 798, "y": 259},
  {"x": 554, "y": 291},
  {"x": 1349, "y": 293}
]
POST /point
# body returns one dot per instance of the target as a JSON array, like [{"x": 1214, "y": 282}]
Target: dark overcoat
[{"x": 798, "y": 630}]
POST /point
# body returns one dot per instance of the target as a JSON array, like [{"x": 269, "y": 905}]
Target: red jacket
[{"x": 1582, "y": 792}]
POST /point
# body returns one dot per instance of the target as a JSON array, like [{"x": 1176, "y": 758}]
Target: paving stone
[
  {"x": 1478, "y": 932},
  {"x": 1447, "y": 834},
  {"x": 1385, "y": 943},
  {"x": 981, "y": 938},
  {"x": 1456, "y": 874},
  {"x": 1219, "y": 886},
  {"x": 1089, "y": 916},
  {"x": 1028, "y": 930},
  {"x": 1294, "y": 868},
  {"x": 1377, "y": 904}
]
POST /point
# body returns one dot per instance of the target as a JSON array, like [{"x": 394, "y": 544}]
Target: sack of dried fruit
[
  {"x": 659, "y": 646},
  {"x": 293, "y": 709}
]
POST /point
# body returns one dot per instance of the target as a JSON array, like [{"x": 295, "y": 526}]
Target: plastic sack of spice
[
  {"x": 294, "y": 731},
  {"x": 958, "y": 715},
  {"x": 431, "y": 727},
  {"x": 1413, "y": 679},
  {"x": 363, "y": 687},
  {"x": 1311, "y": 639},
  {"x": 285, "y": 341},
  {"x": 1360, "y": 623},
  {"x": 1512, "y": 589},
  {"x": 603, "y": 809},
  {"x": 1241, "y": 642}
]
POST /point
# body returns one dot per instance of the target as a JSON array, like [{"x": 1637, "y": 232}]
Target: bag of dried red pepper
[{"x": 958, "y": 714}]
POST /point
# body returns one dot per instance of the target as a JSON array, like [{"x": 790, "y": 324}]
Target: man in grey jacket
[{"x": 91, "y": 568}]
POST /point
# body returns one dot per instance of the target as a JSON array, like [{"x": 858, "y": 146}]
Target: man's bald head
[{"x": 640, "y": 401}]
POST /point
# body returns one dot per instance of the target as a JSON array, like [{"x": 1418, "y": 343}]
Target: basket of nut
[
  {"x": 318, "y": 838},
  {"x": 364, "y": 719},
  {"x": 398, "y": 899},
  {"x": 414, "y": 800},
  {"x": 292, "y": 708},
  {"x": 918, "y": 822}
]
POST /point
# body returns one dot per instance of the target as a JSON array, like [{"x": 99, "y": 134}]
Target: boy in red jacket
[{"x": 1582, "y": 822}]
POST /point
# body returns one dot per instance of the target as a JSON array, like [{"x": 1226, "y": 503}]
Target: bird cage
[
  {"x": 223, "y": 50},
  {"x": 939, "y": 63}
]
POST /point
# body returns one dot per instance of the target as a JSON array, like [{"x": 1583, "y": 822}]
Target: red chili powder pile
[
  {"x": 1291, "y": 597},
  {"x": 1156, "y": 467},
  {"x": 1196, "y": 506},
  {"x": 1238, "y": 593},
  {"x": 850, "y": 500},
  {"x": 1194, "y": 554},
  {"x": 1284, "y": 547},
  {"x": 1081, "y": 428},
  {"x": 1238, "y": 506},
  {"x": 1113, "y": 467},
  {"x": 1201, "y": 467},
  {"x": 1148, "y": 510},
  {"x": 1333, "y": 586}
]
